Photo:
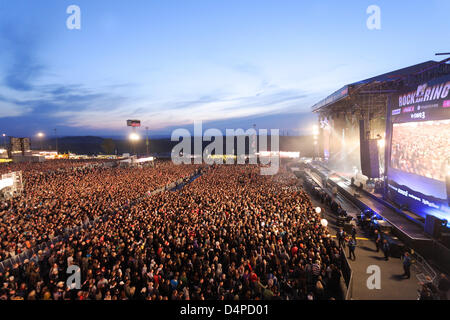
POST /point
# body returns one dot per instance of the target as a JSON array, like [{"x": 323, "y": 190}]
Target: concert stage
[
  {"x": 383, "y": 143},
  {"x": 408, "y": 230},
  {"x": 367, "y": 200}
]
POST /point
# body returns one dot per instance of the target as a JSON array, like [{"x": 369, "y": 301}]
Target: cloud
[
  {"x": 210, "y": 108},
  {"x": 26, "y": 97},
  {"x": 22, "y": 67},
  {"x": 23, "y": 96}
]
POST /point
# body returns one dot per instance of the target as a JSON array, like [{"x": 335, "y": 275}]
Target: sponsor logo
[
  {"x": 408, "y": 109},
  {"x": 418, "y": 115},
  {"x": 427, "y": 106},
  {"x": 396, "y": 111}
]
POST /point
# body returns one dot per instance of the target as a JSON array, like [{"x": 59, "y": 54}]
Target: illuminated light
[
  {"x": 134, "y": 137},
  {"x": 318, "y": 210},
  {"x": 148, "y": 159},
  {"x": 381, "y": 143},
  {"x": 281, "y": 154},
  {"x": 40, "y": 134},
  {"x": 315, "y": 130},
  {"x": 2, "y": 150},
  {"x": 324, "y": 222},
  {"x": 5, "y": 183}
]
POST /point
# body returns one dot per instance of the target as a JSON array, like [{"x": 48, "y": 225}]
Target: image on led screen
[{"x": 421, "y": 148}]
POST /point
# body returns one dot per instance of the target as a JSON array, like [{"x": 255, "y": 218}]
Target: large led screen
[{"x": 420, "y": 149}]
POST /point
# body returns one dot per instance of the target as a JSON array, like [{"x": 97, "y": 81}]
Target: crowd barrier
[{"x": 347, "y": 274}]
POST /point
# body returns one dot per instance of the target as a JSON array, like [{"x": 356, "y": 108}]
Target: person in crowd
[
  {"x": 431, "y": 287},
  {"x": 425, "y": 293},
  {"x": 353, "y": 231},
  {"x": 352, "y": 248},
  {"x": 378, "y": 240},
  {"x": 406, "y": 265},
  {"x": 386, "y": 248},
  {"x": 341, "y": 237},
  {"x": 443, "y": 286}
]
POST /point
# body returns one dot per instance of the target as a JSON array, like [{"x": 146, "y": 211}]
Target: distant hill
[{"x": 92, "y": 145}]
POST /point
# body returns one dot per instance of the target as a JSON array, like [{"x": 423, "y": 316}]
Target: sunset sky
[{"x": 228, "y": 63}]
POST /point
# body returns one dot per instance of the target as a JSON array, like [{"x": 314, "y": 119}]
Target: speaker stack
[{"x": 370, "y": 165}]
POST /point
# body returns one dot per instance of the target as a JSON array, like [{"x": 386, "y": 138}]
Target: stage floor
[{"x": 399, "y": 221}]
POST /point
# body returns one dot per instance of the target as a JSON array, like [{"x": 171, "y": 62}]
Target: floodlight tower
[
  {"x": 56, "y": 141},
  {"x": 133, "y": 137},
  {"x": 40, "y": 136},
  {"x": 146, "y": 141}
]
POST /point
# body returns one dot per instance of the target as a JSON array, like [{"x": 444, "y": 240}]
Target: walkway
[{"x": 393, "y": 286}]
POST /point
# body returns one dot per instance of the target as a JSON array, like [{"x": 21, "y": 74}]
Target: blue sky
[{"x": 167, "y": 63}]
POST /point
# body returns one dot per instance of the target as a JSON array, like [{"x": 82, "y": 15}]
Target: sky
[{"x": 229, "y": 63}]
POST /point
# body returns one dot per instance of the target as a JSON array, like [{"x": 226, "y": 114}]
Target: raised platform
[
  {"x": 393, "y": 286},
  {"x": 366, "y": 200},
  {"x": 408, "y": 229}
]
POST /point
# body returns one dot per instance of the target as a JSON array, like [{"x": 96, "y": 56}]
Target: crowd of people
[
  {"x": 429, "y": 291},
  {"x": 229, "y": 234},
  {"x": 59, "y": 196}
]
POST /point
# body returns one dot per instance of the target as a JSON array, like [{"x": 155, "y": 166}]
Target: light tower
[
  {"x": 40, "y": 136},
  {"x": 146, "y": 141}
]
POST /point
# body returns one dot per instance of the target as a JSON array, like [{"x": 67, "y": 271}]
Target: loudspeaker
[
  {"x": 25, "y": 144},
  {"x": 433, "y": 225},
  {"x": 370, "y": 165},
  {"x": 445, "y": 238},
  {"x": 363, "y": 148},
  {"x": 16, "y": 145},
  {"x": 374, "y": 162}
]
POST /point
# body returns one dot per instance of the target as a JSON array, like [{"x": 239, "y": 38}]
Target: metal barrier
[
  {"x": 423, "y": 269},
  {"x": 347, "y": 273}
]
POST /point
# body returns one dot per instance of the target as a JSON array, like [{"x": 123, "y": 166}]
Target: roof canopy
[{"x": 377, "y": 88}]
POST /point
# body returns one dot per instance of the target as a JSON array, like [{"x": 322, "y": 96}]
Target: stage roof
[{"x": 382, "y": 81}]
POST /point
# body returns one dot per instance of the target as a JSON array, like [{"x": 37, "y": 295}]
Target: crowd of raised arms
[{"x": 229, "y": 234}]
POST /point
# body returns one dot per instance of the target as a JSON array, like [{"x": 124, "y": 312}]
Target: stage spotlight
[
  {"x": 318, "y": 210},
  {"x": 324, "y": 222}
]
